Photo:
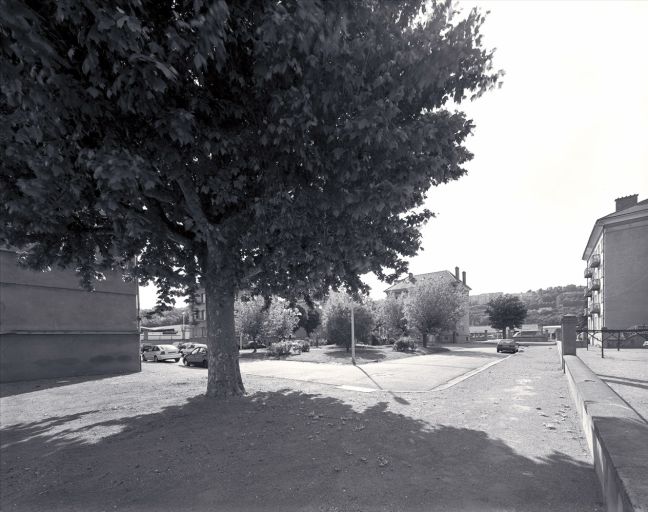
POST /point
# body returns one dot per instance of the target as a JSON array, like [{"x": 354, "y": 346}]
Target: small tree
[
  {"x": 280, "y": 321},
  {"x": 391, "y": 317},
  {"x": 309, "y": 319},
  {"x": 434, "y": 305},
  {"x": 336, "y": 317},
  {"x": 250, "y": 316},
  {"x": 506, "y": 311}
]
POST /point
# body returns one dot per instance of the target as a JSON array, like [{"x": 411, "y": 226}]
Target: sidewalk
[{"x": 625, "y": 371}]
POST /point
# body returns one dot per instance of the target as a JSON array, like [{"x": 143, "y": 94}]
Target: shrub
[
  {"x": 404, "y": 344},
  {"x": 280, "y": 348},
  {"x": 305, "y": 346}
]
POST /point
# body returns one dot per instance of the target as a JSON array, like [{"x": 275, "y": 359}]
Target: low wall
[
  {"x": 45, "y": 356},
  {"x": 617, "y": 437}
]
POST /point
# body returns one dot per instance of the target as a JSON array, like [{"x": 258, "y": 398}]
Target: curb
[{"x": 617, "y": 438}]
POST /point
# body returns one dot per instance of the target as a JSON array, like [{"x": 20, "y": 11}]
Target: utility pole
[{"x": 353, "y": 359}]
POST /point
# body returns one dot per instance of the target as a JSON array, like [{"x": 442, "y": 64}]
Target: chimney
[
  {"x": 463, "y": 277},
  {"x": 457, "y": 273},
  {"x": 623, "y": 203}
]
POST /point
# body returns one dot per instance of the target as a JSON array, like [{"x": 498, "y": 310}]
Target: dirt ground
[{"x": 505, "y": 439}]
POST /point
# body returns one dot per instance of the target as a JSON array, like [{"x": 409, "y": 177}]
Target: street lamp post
[{"x": 353, "y": 359}]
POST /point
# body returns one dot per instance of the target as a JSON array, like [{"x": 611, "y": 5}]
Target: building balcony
[
  {"x": 595, "y": 285},
  {"x": 588, "y": 272},
  {"x": 586, "y": 312},
  {"x": 588, "y": 292},
  {"x": 595, "y": 260},
  {"x": 595, "y": 309}
]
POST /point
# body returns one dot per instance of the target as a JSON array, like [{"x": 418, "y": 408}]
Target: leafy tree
[
  {"x": 272, "y": 146},
  {"x": 391, "y": 317},
  {"x": 506, "y": 311},
  {"x": 434, "y": 305},
  {"x": 250, "y": 316},
  {"x": 309, "y": 319},
  {"x": 336, "y": 319},
  {"x": 169, "y": 317},
  {"x": 280, "y": 321}
]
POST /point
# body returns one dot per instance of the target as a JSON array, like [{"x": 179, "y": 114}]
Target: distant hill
[{"x": 545, "y": 306}]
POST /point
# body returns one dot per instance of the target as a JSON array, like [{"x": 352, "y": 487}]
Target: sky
[{"x": 565, "y": 135}]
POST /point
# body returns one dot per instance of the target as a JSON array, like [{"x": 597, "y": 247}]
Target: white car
[{"x": 161, "y": 353}]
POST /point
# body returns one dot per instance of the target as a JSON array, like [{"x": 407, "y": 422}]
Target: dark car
[
  {"x": 198, "y": 356},
  {"x": 507, "y": 346}
]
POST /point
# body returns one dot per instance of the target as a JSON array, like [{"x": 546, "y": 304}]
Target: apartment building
[
  {"x": 616, "y": 257},
  {"x": 461, "y": 332},
  {"x": 50, "y": 327}
]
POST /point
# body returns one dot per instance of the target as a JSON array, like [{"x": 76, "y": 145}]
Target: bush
[
  {"x": 404, "y": 344},
  {"x": 280, "y": 348},
  {"x": 305, "y": 346}
]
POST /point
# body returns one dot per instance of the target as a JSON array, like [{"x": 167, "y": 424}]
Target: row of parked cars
[{"x": 190, "y": 353}]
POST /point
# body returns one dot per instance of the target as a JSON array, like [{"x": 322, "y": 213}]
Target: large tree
[
  {"x": 506, "y": 311},
  {"x": 434, "y": 305},
  {"x": 276, "y": 146}
]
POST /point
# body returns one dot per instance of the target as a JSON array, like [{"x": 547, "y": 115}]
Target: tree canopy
[
  {"x": 280, "y": 147},
  {"x": 506, "y": 311},
  {"x": 434, "y": 305}
]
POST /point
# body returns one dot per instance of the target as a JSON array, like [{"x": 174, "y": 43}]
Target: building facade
[
  {"x": 50, "y": 327},
  {"x": 461, "y": 332},
  {"x": 616, "y": 269}
]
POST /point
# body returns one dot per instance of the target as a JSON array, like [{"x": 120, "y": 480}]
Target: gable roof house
[{"x": 461, "y": 332}]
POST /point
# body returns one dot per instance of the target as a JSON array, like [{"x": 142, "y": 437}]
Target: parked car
[
  {"x": 146, "y": 346},
  {"x": 186, "y": 348},
  {"x": 161, "y": 353},
  {"x": 197, "y": 356},
  {"x": 507, "y": 346}
]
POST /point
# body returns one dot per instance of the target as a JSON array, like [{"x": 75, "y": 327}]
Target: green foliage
[
  {"x": 506, "y": 311},
  {"x": 336, "y": 318},
  {"x": 280, "y": 320},
  {"x": 434, "y": 305},
  {"x": 305, "y": 345},
  {"x": 169, "y": 317},
  {"x": 404, "y": 344},
  {"x": 309, "y": 319},
  {"x": 279, "y": 349},
  {"x": 250, "y": 316},
  {"x": 155, "y": 130},
  {"x": 390, "y": 314}
]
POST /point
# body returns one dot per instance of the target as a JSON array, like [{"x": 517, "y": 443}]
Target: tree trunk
[
  {"x": 223, "y": 374},
  {"x": 425, "y": 339},
  {"x": 504, "y": 333}
]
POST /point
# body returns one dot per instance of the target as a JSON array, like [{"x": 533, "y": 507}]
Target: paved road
[
  {"x": 505, "y": 439},
  {"x": 421, "y": 373}
]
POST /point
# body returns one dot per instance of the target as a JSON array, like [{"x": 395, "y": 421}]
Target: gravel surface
[{"x": 506, "y": 439}]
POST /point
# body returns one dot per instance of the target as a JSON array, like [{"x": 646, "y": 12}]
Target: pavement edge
[{"x": 617, "y": 438}]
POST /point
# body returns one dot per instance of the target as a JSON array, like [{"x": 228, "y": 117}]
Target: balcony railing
[
  {"x": 588, "y": 292},
  {"x": 588, "y": 272},
  {"x": 586, "y": 312},
  {"x": 595, "y": 285},
  {"x": 595, "y": 260}
]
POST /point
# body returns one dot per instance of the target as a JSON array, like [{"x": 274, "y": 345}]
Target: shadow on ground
[
  {"x": 18, "y": 388},
  {"x": 275, "y": 451}
]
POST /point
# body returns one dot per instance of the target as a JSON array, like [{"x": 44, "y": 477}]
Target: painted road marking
[
  {"x": 357, "y": 388},
  {"x": 465, "y": 376}
]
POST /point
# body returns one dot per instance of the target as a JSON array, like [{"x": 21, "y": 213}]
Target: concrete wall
[
  {"x": 49, "y": 327},
  {"x": 625, "y": 282}
]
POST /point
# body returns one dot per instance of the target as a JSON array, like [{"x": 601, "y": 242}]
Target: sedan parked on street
[
  {"x": 507, "y": 346},
  {"x": 197, "y": 356},
  {"x": 161, "y": 353}
]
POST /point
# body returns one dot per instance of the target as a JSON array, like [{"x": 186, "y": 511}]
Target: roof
[
  {"x": 638, "y": 211},
  {"x": 405, "y": 284}
]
